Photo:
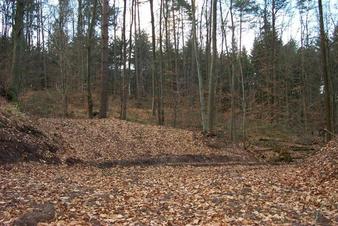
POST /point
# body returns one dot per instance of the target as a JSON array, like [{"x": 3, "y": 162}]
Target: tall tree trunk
[
  {"x": 18, "y": 45},
  {"x": 326, "y": 75},
  {"x": 44, "y": 64},
  {"x": 233, "y": 49},
  {"x": 199, "y": 73},
  {"x": 125, "y": 73},
  {"x": 153, "y": 65},
  {"x": 273, "y": 61},
  {"x": 160, "y": 111},
  {"x": 41, "y": 44},
  {"x": 242, "y": 78},
  {"x": 63, "y": 6},
  {"x": 27, "y": 26},
  {"x": 89, "y": 59},
  {"x": 211, "y": 97},
  {"x": 176, "y": 81},
  {"x": 115, "y": 50},
  {"x": 38, "y": 43},
  {"x": 79, "y": 19},
  {"x": 123, "y": 114},
  {"x": 304, "y": 77},
  {"x": 104, "y": 59},
  {"x": 266, "y": 92},
  {"x": 80, "y": 44},
  {"x": 208, "y": 18},
  {"x": 136, "y": 36}
]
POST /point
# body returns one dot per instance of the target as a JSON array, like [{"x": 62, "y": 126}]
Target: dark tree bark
[
  {"x": 137, "y": 70},
  {"x": 198, "y": 68},
  {"x": 176, "y": 90},
  {"x": 62, "y": 42},
  {"x": 123, "y": 111},
  {"x": 160, "y": 111},
  {"x": 104, "y": 60},
  {"x": 326, "y": 74},
  {"x": 18, "y": 45},
  {"x": 89, "y": 59},
  {"x": 153, "y": 66},
  {"x": 211, "y": 97},
  {"x": 232, "y": 66}
]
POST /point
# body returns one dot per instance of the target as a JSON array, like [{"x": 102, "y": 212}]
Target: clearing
[{"x": 122, "y": 173}]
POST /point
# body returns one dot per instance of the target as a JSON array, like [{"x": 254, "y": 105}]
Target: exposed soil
[{"x": 21, "y": 140}]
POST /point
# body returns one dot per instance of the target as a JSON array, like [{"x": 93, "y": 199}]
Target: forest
[
  {"x": 168, "y": 112},
  {"x": 186, "y": 67}
]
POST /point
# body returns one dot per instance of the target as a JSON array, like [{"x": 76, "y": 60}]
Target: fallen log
[{"x": 288, "y": 145}]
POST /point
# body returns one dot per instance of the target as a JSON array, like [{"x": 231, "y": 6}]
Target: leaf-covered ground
[
  {"x": 107, "y": 139},
  {"x": 204, "y": 189}
]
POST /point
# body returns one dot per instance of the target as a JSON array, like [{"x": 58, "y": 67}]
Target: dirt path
[{"x": 211, "y": 184}]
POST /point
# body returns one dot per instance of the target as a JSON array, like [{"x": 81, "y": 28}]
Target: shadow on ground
[{"x": 164, "y": 160}]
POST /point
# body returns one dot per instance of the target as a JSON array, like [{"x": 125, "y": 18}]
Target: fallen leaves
[
  {"x": 111, "y": 139},
  {"x": 159, "y": 195},
  {"x": 231, "y": 193}
]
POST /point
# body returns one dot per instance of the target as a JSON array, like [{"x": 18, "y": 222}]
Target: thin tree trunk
[
  {"x": 81, "y": 45},
  {"x": 43, "y": 48},
  {"x": 160, "y": 111},
  {"x": 199, "y": 73},
  {"x": 115, "y": 62},
  {"x": 89, "y": 60},
  {"x": 273, "y": 60},
  {"x": 304, "y": 77},
  {"x": 208, "y": 36},
  {"x": 104, "y": 60},
  {"x": 176, "y": 82},
  {"x": 137, "y": 70},
  {"x": 233, "y": 49},
  {"x": 123, "y": 113},
  {"x": 153, "y": 66},
  {"x": 62, "y": 61},
  {"x": 242, "y": 79},
  {"x": 211, "y": 97},
  {"x": 127, "y": 82}
]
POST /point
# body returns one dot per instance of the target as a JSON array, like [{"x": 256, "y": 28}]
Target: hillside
[
  {"x": 22, "y": 140},
  {"x": 114, "y": 172},
  {"x": 112, "y": 139}
]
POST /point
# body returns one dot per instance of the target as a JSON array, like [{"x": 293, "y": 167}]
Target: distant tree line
[{"x": 194, "y": 55}]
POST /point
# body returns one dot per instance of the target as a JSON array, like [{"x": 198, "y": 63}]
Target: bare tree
[
  {"x": 136, "y": 54},
  {"x": 198, "y": 68},
  {"x": 326, "y": 74},
  {"x": 89, "y": 58},
  {"x": 211, "y": 97},
  {"x": 104, "y": 59},
  {"x": 18, "y": 45},
  {"x": 176, "y": 87},
  {"x": 153, "y": 67},
  {"x": 232, "y": 73},
  {"x": 160, "y": 111},
  {"x": 123, "y": 112},
  {"x": 62, "y": 42}
]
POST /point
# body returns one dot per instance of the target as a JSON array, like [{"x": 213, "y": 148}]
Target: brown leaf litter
[{"x": 231, "y": 192}]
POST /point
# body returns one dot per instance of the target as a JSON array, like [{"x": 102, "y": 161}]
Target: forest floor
[{"x": 123, "y": 173}]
